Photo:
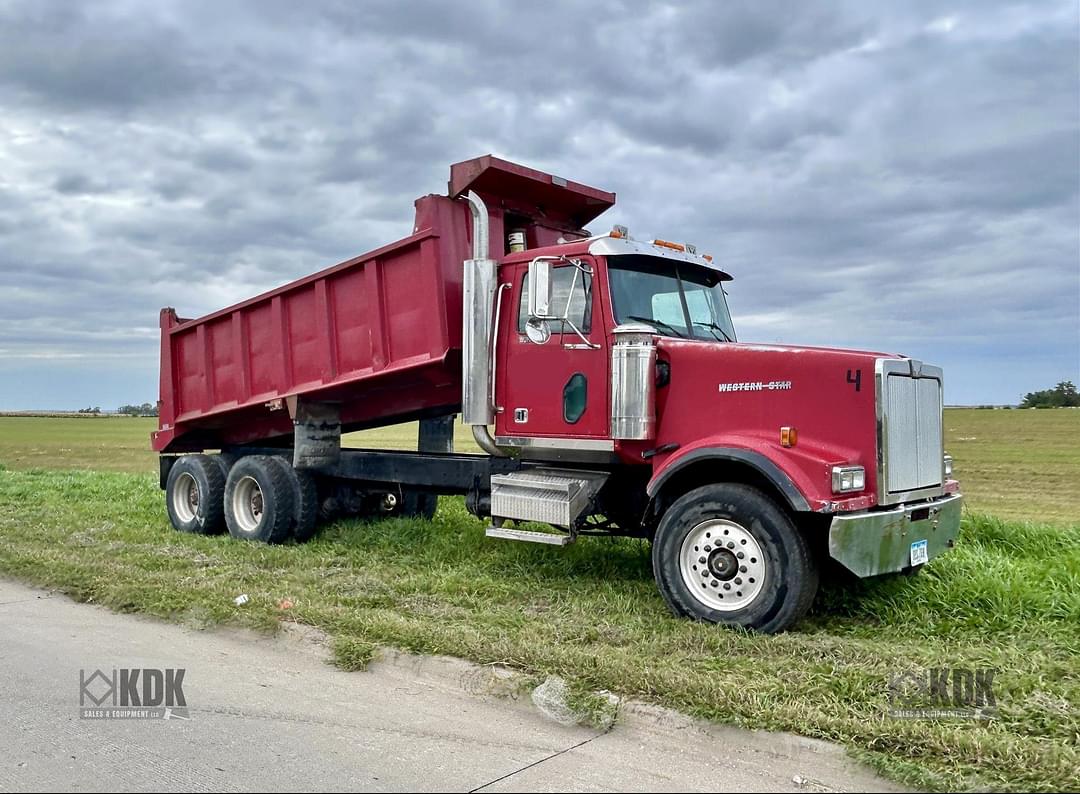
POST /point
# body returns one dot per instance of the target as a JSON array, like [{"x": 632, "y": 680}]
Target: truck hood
[
  {"x": 793, "y": 349},
  {"x": 739, "y": 396},
  {"x": 726, "y": 360}
]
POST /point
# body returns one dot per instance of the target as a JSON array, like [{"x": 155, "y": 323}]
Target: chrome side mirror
[
  {"x": 537, "y": 331},
  {"x": 540, "y": 289}
]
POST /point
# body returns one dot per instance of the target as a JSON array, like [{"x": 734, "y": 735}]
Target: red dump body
[{"x": 379, "y": 334}]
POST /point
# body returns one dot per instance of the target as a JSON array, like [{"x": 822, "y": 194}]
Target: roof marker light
[
  {"x": 667, "y": 244},
  {"x": 619, "y": 232}
]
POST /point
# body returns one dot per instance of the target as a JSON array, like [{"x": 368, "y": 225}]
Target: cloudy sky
[{"x": 898, "y": 176}]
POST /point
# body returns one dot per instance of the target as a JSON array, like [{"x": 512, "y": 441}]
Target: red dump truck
[{"x": 603, "y": 381}]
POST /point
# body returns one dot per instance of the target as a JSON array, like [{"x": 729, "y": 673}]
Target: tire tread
[
  {"x": 800, "y": 573},
  {"x": 305, "y": 501},
  {"x": 276, "y": 526},
  {"x": 211, "y": 504}
]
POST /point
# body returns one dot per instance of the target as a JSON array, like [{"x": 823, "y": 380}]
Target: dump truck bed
[{"x": 379, "y": 335}]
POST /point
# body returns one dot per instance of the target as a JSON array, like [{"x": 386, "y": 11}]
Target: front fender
[{"x": 730, "y": 451}]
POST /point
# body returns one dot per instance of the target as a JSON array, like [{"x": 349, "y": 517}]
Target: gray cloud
[
  {"x": 73, "y": 57},
  {"x": 895, "y": 177}
]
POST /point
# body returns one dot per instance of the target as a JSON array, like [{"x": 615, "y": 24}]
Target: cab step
[
  {"x": 547, "y": 495},
  {"x": 529, "y": 536}
]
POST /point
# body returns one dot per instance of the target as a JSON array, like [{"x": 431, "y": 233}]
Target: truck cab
[
  {"x": 620, "y": 356},
  {"x": 625, "y": 357},
  {"x": 555, "y": 362}
]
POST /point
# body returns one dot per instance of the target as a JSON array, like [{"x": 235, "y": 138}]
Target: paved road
[{"x": 270, "y": 714}]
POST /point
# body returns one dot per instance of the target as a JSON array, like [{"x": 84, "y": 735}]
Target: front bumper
[{"x": 886, "y": 541}]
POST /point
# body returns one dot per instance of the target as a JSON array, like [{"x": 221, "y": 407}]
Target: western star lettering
[{"x": 772, "y": 385}]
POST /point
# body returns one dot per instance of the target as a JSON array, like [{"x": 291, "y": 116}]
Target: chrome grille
[{"x": 911, "y": 428}]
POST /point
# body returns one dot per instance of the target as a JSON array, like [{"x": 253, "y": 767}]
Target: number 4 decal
[{"x": 857, "y": 380}]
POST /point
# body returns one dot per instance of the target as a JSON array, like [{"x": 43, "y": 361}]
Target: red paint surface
[
  {"x": 377, "y": 333},
  {"x": 533, "y": 376},
  {"x": 836, "y": 424}
]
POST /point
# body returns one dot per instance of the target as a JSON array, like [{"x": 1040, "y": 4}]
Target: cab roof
[{"x": 606, "y": 245}]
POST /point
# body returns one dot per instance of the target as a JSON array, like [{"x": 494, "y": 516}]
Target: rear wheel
[
  {"x": 728, "y": 554},
  {"x": 224, "y": 460},
  {"x": 194, "y": 494},
  {"x": 259, "y": 500},
  {"x": 417, "y": 504},
  {"x": 306, "y": 503}
]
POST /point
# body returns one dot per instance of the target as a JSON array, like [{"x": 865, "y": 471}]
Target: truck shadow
[{"x": 457, "y": 541}]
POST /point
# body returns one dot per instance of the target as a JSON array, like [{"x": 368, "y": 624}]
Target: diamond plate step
[
  {"x": 527, "y": 535},
  {"x": 550, "y": 496}
]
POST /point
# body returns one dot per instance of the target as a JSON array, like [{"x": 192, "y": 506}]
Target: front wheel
[{"x": 729, "y": 554}]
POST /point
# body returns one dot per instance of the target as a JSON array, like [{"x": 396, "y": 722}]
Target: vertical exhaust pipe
[{"x": 478, "y": 299}]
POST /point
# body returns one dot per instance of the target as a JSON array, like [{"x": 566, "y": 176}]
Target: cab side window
[{"x": 565, "y": 289}]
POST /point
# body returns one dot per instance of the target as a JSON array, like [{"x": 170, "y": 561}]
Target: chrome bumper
[{"x": 886, "y": 541}]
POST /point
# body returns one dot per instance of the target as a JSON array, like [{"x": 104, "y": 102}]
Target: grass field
[
  {"x": 1022, "y": 465},
  {"x": 80, "y": 511},
  {"x": 122, "y": 443}
]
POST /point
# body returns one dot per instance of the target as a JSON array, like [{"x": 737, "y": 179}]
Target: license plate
[{"x": 919, "y": 553}]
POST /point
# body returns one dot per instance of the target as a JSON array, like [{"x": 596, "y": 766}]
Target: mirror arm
[
  {"x": 579, "y": 269},
  {"x": 591, "y": 345}
]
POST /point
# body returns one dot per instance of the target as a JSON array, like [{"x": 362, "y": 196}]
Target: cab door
[{"x": 558, "y": 388}]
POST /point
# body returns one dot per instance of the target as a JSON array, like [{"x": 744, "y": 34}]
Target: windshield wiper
[
  {"x": 653, "y": 321},
  {"x": 714, "y": 328}
]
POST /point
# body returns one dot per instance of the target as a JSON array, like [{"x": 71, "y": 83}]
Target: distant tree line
[
  {"x": 146, "y": 409},
  {"x": 95, "y": 410},
  {"x": 1061, "y": 396}
]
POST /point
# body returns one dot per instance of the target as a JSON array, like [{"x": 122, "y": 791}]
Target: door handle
[{"x": 493, "y": 342}]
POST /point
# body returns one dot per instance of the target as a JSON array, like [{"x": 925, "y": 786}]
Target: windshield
[{"x": 677, "y": 298}]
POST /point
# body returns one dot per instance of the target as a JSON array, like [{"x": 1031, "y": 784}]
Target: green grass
[
  {"x": 1022, "y": 464},
  {"x": 113, "y": 443},
  {"x": 1008, "y": 598},
  {"x": 122, "y": 443}
]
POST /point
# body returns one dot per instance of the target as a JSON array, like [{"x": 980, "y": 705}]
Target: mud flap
[{"x": 316, "y": 434}]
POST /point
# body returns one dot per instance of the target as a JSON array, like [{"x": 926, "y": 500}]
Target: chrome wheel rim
[
  {"x": 722, "y": 565},
  {"x": 185, "y": 498},
  {"x": 247, "y": 504}
]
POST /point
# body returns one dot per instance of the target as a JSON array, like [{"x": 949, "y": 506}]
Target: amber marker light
[{"x": 789, "y": 436}]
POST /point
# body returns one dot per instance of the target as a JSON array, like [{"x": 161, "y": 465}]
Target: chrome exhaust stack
[{"x": 478, "y": 300}]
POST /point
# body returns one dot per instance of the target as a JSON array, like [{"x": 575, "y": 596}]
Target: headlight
[
  {"x": 948, "y": 465},
  {"x": 848, "y": 478}
]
